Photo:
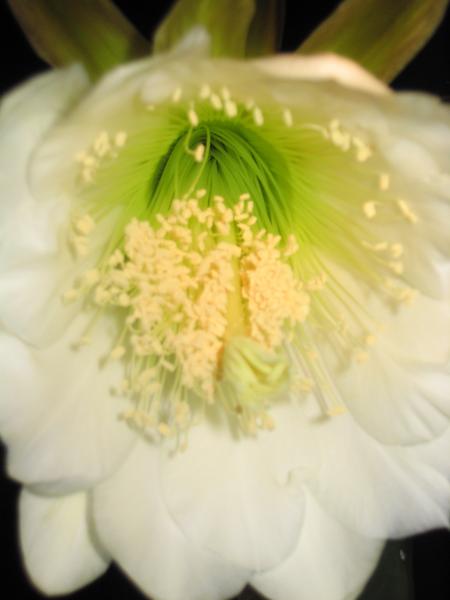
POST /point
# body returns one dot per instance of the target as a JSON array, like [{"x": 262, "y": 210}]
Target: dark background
[{"x": 427, "y": 556}]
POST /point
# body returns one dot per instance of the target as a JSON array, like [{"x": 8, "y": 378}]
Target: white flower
[{"x": 210, "y": 405}]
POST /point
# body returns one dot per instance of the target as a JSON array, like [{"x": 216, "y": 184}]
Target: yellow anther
[
  {"x": 363, "y": 151},
  {"x": 258, "y": 116},
  {"x": 176, "y": 96},
  {"x": 91, "y": 277},
  {"x": 287, "y": 117},
  {"x": 384, "y": 181},
  {"x": 193, "y": 117},
  {"x": 338, "y": 136},
  {"x": 201, "y": 193},
  {"x": 70, "y": 296},
  {"x": 407, "y": 295},
  {"x": 396, "y": 250},
  {"x": 249, "y": 104},
  {"x": 304, "y": 384},
  {"x": 370, "y": 339},
  {"x": 164, "y": 429},
  {"x": 407, "y": 212},
  {"x": 216, "y": 102},
  {"x": 87, "y": 175},
  {"x": 205, "y": 91},
  {"x": 361, "y": 356},
  {"x": 336, "y": 411},
  {"x": 317, "y": 283},
  {"x": 120, "y": 139},
  {"x": 84, "y": 340},
  {"x": 230, "y": 108},
  {"x": 199, "y": 153},
  {"x": 84, "y": 225},
  {"x": 396, "y": 266},
  {"x": 292, "y": 246},
  {"x": 118, "y": 352},
  {"x": 225, "y": 93},
  {"x": 370, "y": 209},
  {"x": 80, "y": 245},
  {"x": 102, "y": 144}
]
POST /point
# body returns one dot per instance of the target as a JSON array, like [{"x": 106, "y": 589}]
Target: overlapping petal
[
  {"x": 136, "y": 527},
  {"x": 248, "y": 491},
  {"x": 58, "y": 417},
  {"x": 329, "y": 562},
  {"x": 58, "y": 546}
]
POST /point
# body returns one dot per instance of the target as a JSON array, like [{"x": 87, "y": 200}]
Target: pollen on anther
[
  {"x": 225, "y": 92},
  {"x": 70, "y": 296},
  {"x": 384, "y": 181},
  {"x": 369, "y": 209},
  {"x": 117, "y": 352},
  {"x": 407, "y": 212},
  {"x": 120, "y": 138},
  {"x": 336, "y": 411},
  {"x": 176, "y": 96},
  {"x": 201, "y": 193},
  {"x": 199, "y": 153},
  {"x": 193, "y": 117},
  {"x": 84, "y": 225},
  {"x": 230, "y": 108},
  {"x": 287, "y": 117},
  {"x": 396, "y": 250},
  {"x": 216, "y": 102},
  {"x": 205, "y": 91},
  {"x": 258, "y": 116}
]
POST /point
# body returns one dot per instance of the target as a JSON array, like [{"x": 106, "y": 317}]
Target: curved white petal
[
  {"x": 329, "y": 562},
  {"x": 320, "y": 67},
  {"x": 414, "y": 139},
  {"x": 241, "y": 484},
  {"x": 57, "y": 415},
  {"x": 28, "y": 229},
  {"x": 133, "y": 523},
  {"x": 398, "y": 400},
  {"x": 26, "y": 115},
  {"x": 367, "y": 486},
  {"x": 401, "y": 393},
  {"x": 58, "y": 547}
]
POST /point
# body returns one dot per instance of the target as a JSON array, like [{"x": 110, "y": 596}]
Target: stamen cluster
[{"x": 184, "y": 285}]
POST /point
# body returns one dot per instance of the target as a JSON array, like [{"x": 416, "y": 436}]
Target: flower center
[
  {"x": 207, "y": 299},
  {"x": 220, "y": 264}
]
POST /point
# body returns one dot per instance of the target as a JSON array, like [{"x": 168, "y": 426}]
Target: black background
[{"x": 429, "y": 554}]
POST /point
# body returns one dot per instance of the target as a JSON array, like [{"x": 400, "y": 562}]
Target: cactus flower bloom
[{"x": 224, "y": 310}]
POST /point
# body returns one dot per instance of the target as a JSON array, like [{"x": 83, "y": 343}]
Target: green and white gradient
[{"x": 332, "y": 158}]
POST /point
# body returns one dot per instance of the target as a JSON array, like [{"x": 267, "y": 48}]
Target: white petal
[
  {"x": 434, "y": 455},
  {"x": 321, "y": 67},
  {"x": 401, "y": 394},
  {"x": 241, "y": 484},
  {"x": 58, "y": 548},
  {"x": 26, "y": 114},
  {"x": 412, "y": 133},
  {"x": 376, "y": 490},
  {"x": 135, "y": 526},
  {"x": 57, "y": 415},
  {"x": 329, "y": 563},
  {"x": 28, "y": 228},
  {"x": 396, "y": 400}
]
